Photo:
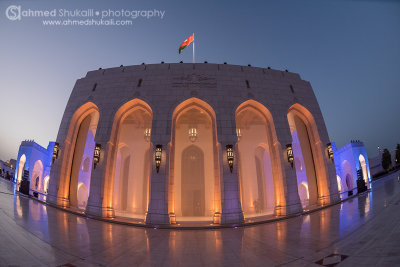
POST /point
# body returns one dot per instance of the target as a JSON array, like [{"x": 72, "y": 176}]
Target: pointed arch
[
  {"x": 83, "y": 121},
  {"x": 198, "y": 109},
  {"x": 21, "y": 168},
  {"x": 269, "y": 164},
  {"x": 128, "y": 163},
  {"x": 320, "y": 168}
]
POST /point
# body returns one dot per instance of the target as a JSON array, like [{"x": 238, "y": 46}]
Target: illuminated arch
[
  {"x": 347, "y": 173},
  {"x": 267, "y": 159},
  {"x": 46, "y": 184},
  {"x": 339, "y": 182},
  {"x": 21, "y": 168},
  {"x": 37, "y": 173},
  {"x": 88, "y": 113},
  {"x": 117, "y": 144},
  {"x": 363, "y": 167},
  {"x": 197, "y": 108},
  {"x": 317, "y": 152}
]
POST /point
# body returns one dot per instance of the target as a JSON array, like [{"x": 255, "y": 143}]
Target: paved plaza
[{"x": 363, "y": 231}]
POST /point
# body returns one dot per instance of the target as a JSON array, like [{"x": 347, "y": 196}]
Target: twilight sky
[{"x": 348, "y": 50}]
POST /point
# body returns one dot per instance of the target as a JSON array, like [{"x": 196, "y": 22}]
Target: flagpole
[{"x": 193, "y": 48}]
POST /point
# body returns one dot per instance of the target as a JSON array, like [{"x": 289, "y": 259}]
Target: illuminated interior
[
  {"x": 79, "y": 183},
  {"x": 37, "y": 175},
  {"x": 132, "y": 163},
  {"x": 46, "y": 184},
  {"x": 256, "y": 178},
  {"x": 304, "y": 160},
  {"x": 363, "y": 167},
  {"x": 21, "y": 168},
  {"x": 194, "y": 185},
  {"x": 348, "y": 174}
]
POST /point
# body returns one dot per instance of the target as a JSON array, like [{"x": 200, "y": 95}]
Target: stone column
[
  {"x": 231, "y": 207},
  {"x": 158, "y": 188},
  {"x": 100, "y": 183},
  {"x": 291, "y": 203}
]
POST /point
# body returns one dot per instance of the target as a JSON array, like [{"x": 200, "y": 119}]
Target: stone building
[
  {"x": 348, "y": 160},
  {"x": 177, "y": 143},
  {"x": 35, "y": 162}
]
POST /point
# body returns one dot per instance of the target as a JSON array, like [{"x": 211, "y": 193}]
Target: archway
[
  {"x": 363, "y": 167},
  {"x": 127, "y": 186},
  {"x": 194, "y": 139},
  {"x": 347, "y": 173},
  {"x": 36, "y": 177},
  {"x": 193, "y": 182},
  {"x": 82, "y": 196},
  {"x": 78, "y": 146},
  {"x": 46, "y": 184},
  {"x": 307, "y": 148},
  {"x": 259, "y": 163},
  {"x": 339, "y": 182},
  {"x": 21, "y": 168}
]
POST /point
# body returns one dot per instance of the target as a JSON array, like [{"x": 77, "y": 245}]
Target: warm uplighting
[
  {"x": 147, "y": 134},
  {"x": 238, "y": 134},
  {"x": 230, "y": 156},
  {"x": 193, "y": 134},
  {"x": 158, "y": 156},
  {"x": 96, "y": 156},
  {"x": 56, "y": 150},
  {"x": 330, "y": 151},
  {"x": 289, "y": 152}
]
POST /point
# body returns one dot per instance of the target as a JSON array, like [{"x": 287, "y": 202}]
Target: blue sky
[{"x": 348, "y": 50}]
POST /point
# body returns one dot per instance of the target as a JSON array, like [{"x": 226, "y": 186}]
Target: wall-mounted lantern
[
  {"x": 56, "y": 150},
  {"x": 147, "y": 134},
  {"x": 193, "y": 134},
  {"x": 330, "y": 151},
  {"x": 96, "y": 154},
  {"x": 238, "y": 134},
  {"x": 230, "y": 156},
  {"x": 289, "y": 152},
  {"x": 157, "y": 157}
]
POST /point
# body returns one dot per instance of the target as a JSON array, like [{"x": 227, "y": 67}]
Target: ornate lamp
[
  {"x": 230, "y": 156},
  {"x": 238, "y": 134},
  {"x": 147, "y": 134},
  {"x": 56, "y": 150},
  {"x": 96, "y": 154},
  {"x": 193, "y": 134},
  {"x": 289, "y": 152},
  {"x": 157, "y": 157},
  {"x": 330, "y": 151}
]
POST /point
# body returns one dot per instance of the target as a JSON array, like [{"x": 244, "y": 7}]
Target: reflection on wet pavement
[{"x": 364, "y": 228}]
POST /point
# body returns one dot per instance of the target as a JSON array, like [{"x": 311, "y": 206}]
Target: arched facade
[
  {"x": 189, "y": 151},
  {"x": 193, "y": 114},
  {"x": 261, "y": 185},
  {"x": 21, "y": 168},
  {"x": 363, "y": 167},
  {"x": 37, "y": 174},
  {"x": 127, "y": 186},
  {"x": 77, "y": 147},
  {"x": 307, "y": 148}
]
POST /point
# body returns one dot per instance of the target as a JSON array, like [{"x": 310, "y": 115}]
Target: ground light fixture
[
  {"x": 56, "y": 150},
  {"x": 289, "y": 152},
  {"x": 96, "y": 154},
  {"x": 157, "y": 157},
  {"x": 230, "y": 156},
  {"x": 330, "y": 151}
]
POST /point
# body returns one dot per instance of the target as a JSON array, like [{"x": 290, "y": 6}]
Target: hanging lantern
[
  {"x": 193, "y": 134},
  {"x": 147, "y": 134},
  {"x": 56, "y": 150},
  {"x": 230, "y": 156},
  {"x": 96, "y": 155},
  {"x": 157, "y": 157},
  {"x": 330, "y": 151},
  {"x": 238, "y": 134},
  {"x": 289, "y": 152}
]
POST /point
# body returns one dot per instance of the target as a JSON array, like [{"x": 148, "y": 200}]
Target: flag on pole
[{"x": 186, "y": 43}]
